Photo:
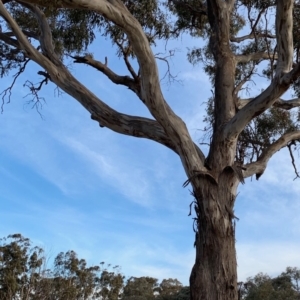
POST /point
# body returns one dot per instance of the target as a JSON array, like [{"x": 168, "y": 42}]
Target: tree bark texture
[{"x": 214, "y": 275}]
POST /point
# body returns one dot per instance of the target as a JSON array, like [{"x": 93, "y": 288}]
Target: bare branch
[
  {"x": 106, "y": 116},
  {"x": 30, "y": 34},
  {"x": 9, "y": 89},
  {"x": 293, "y": 160},
  {"x": 173, "y": 126},
  {"x": 165, "y": 58},
  {"x": 253, "y": 109},
  {"x": 240, "y": 84},
  {"x": 252, "y": 36},
  {"x": 280, "y": 103},
  {"x": 126, "y": 53},
  {"x": 254, "y": 57},
  {"x": 34, "y": 89},
  {"x": 115, "y": 78},
  {"x": 260, "y": 165},
  {"x": 261, "y": 103},
  {"x": 8, "y": 40}
]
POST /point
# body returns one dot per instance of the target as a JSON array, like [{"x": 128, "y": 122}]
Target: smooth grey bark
[{"x": 215, "y": 179}]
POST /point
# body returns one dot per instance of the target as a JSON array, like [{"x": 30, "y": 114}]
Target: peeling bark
[{"x": 214, "y": 275}]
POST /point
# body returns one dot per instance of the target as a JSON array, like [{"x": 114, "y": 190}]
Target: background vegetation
[{"x": 24, "y": 275}]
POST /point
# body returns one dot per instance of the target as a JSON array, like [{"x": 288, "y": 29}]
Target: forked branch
[
  {"x": 127, "y": 81},
  {"x": 284, "y": 75},
  {"x": 258, "y": 167},
  {"x": 57, "y": 73},
  {"x": 116, "y": 12}
]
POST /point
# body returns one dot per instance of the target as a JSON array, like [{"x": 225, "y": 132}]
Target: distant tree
[
  {"x": 72, "y": 279},
  {"x": 183, "y": 294},
  {"x": 241, "y": 39},
  {"x": 110, "y": 284},
  {"x": 263, "y": 287},
  {"x": 140, "y": 288},
  {"x": 169, "y": 288},
  {"x": 23, "y": 275},
  {"x": 172, "y": 289},
  {"x": 294, "y": 274},
  {"x": 21, "y": 268}
]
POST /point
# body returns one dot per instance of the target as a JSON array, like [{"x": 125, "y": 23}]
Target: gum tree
[{"x": 241, "y": 39}]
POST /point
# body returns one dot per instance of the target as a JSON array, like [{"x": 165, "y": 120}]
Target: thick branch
[
  {"x": 254, "y": 57},
  {"x": 254, "y": 108},
  {"x": 115, "y": 78},
  {"x": 106, "y": 116},
  {"x": 26, "y": 32},
  {"x": 10, "y": 41},
  {"x": 116, "y": 12},
  {"x": 45, "y": 35},
  {"x": 261, "y": 103},
  {"x": 284, "y": 75},
  {"x": 260, "y": 165},
  {"x": 284, "y": 35},
  {"x": 23, "y": 42},
  {"x": 280, "y": 103}
]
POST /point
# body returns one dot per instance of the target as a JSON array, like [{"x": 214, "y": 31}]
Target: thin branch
[
  {"x": 126, "y": 53},
  {"x": 293, "y": 160},
  {"x": 239, "y": 86},
  {"x": 252, "y": 36},
  {"x": 258, "y": 167},
  {"x": 9, "y": 89},
  {"x": 115, "y": 78},
  {"x": 34, "y": 92},
  {"x": 165, "y": 59}
]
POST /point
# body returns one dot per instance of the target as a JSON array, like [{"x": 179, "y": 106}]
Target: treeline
[
  {"x": 24, "y": 276},
  {"x": 286, "y": 286}
]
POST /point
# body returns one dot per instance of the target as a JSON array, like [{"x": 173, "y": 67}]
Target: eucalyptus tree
[
  {"x": 21, "y": 267},
  {"x": 264, "y": 287},
  {"x": 242, "y": 38}
]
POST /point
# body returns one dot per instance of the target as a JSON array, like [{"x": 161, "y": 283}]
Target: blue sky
[{"x": 68, "y": 184}]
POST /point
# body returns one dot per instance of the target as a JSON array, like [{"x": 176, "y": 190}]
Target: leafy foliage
[
  {"x": 263, "y": 287},
  {"x": 24, "y": 276}
]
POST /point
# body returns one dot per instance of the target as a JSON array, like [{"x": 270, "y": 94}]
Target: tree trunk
[{"x": 214, "y": 274}]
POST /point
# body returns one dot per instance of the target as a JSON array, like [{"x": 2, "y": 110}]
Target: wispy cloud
[{"x": 129, "y": 180}]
